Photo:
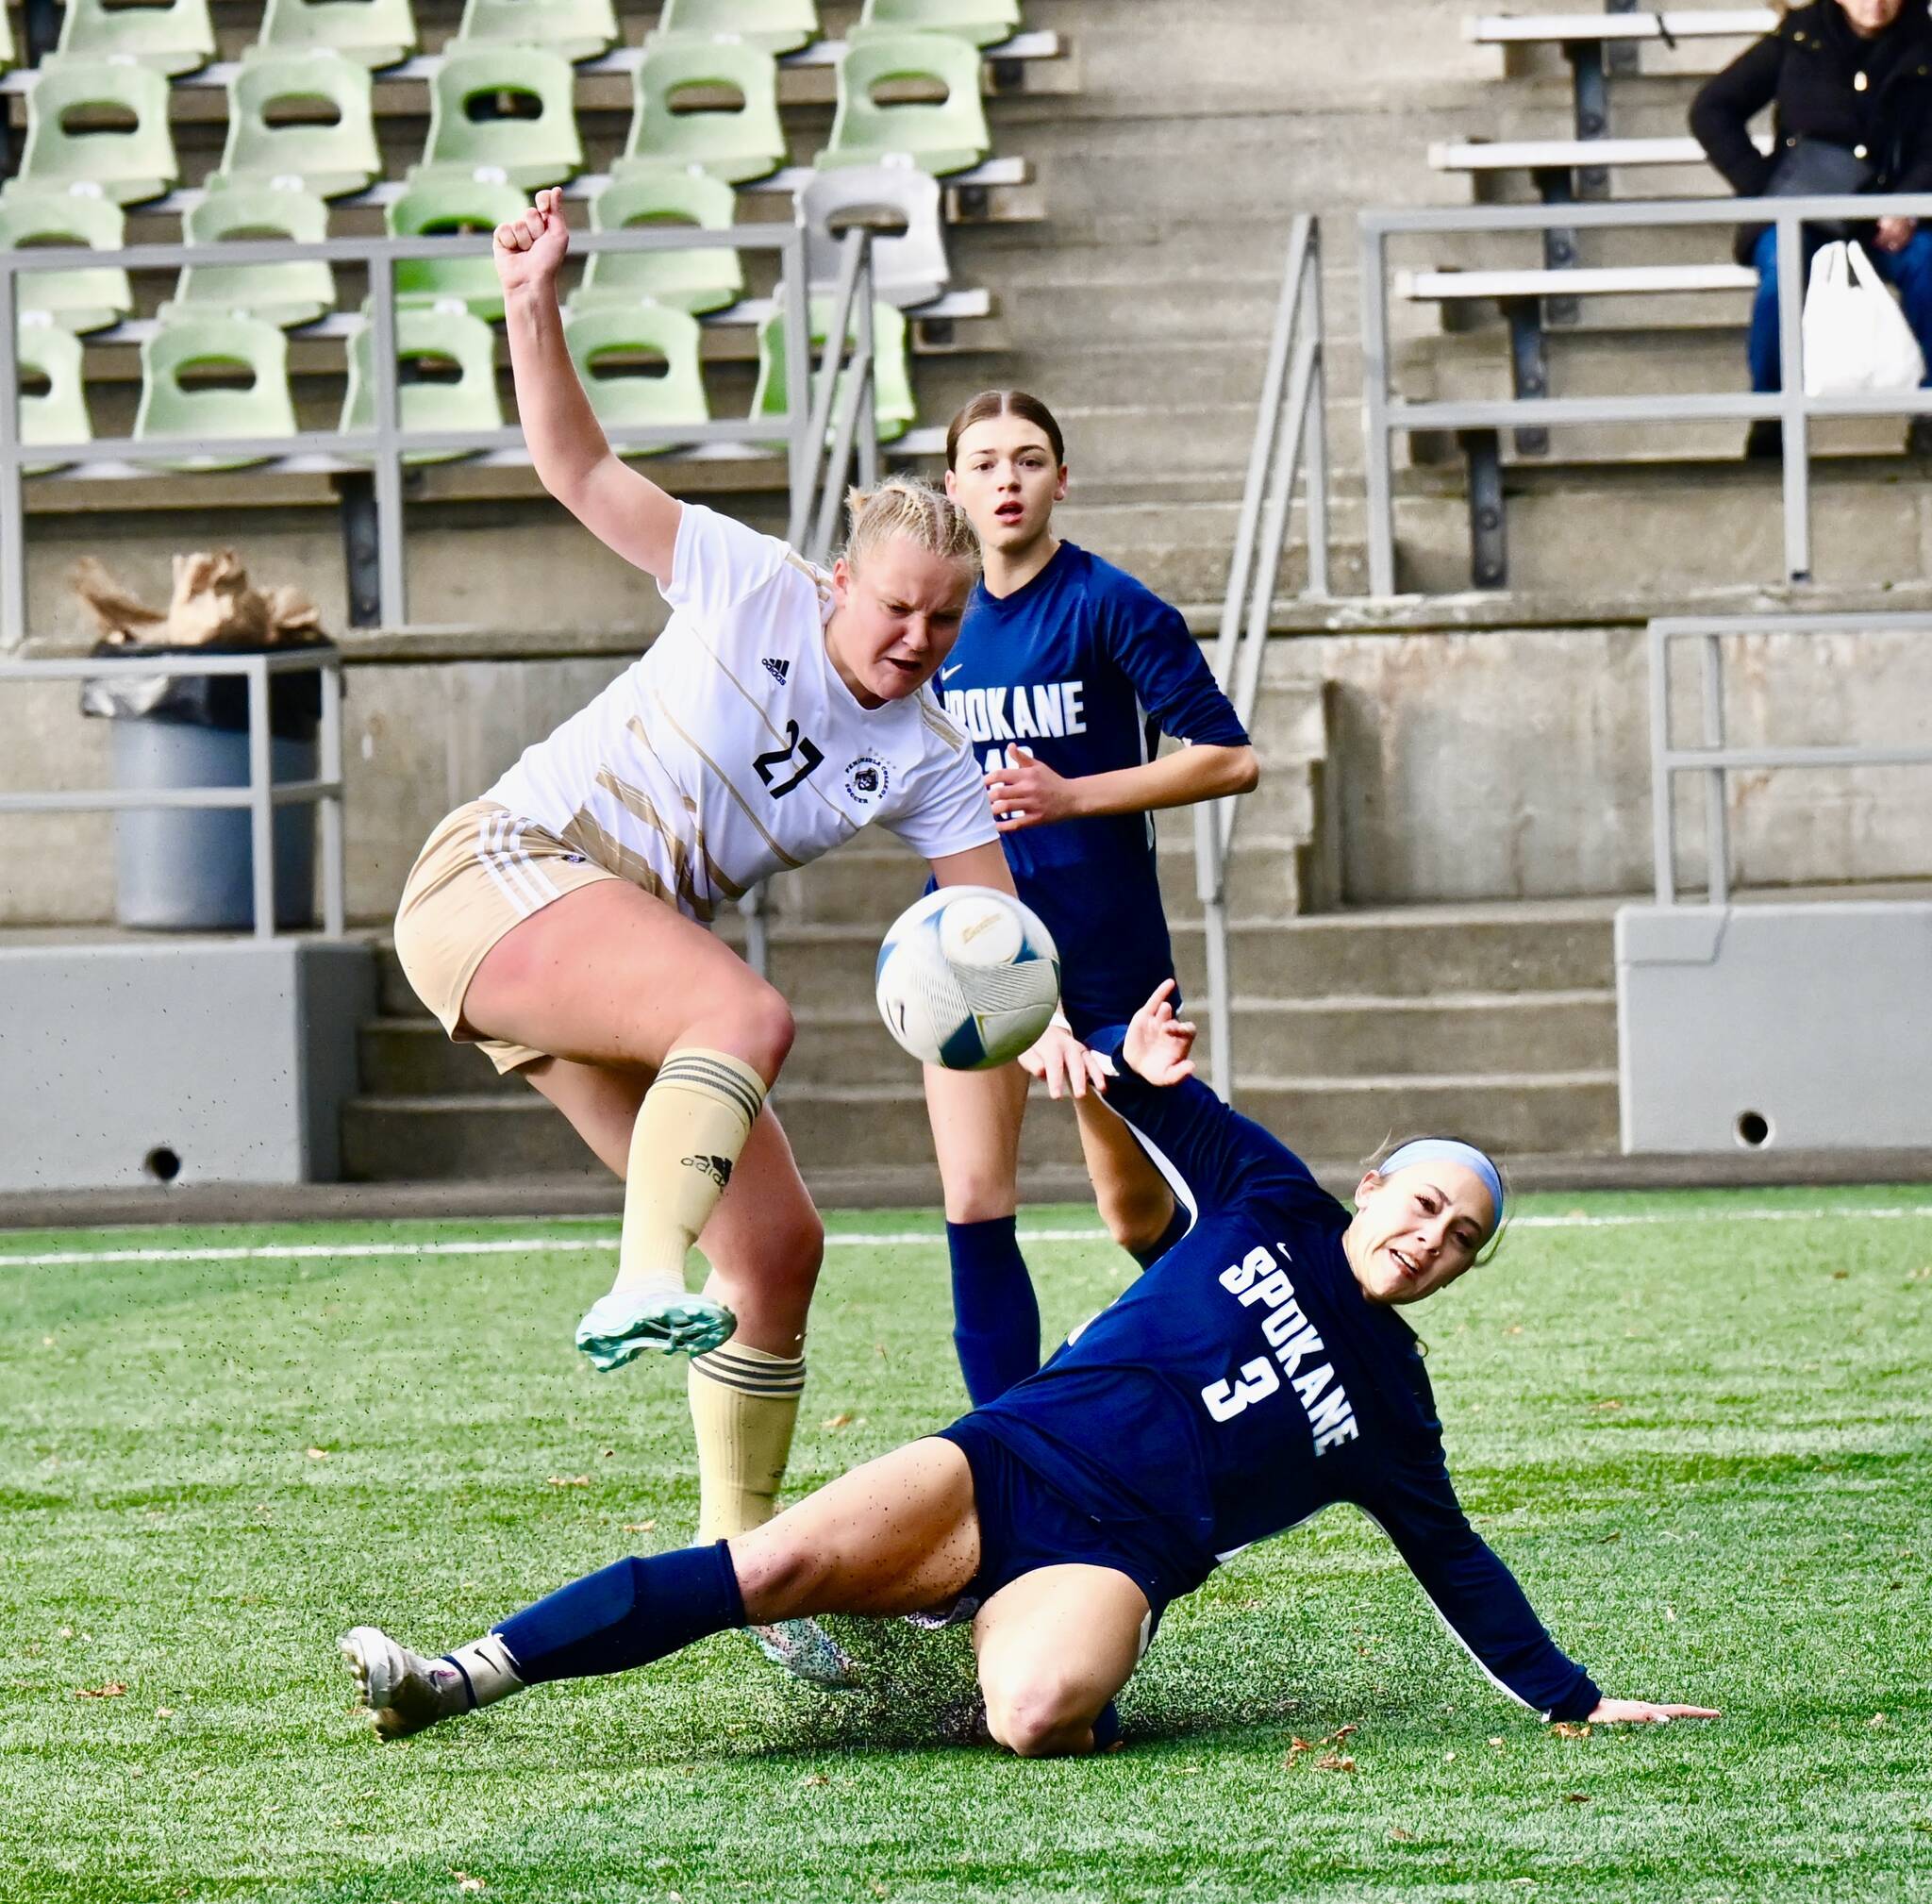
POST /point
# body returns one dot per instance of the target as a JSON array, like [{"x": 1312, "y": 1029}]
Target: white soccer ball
[{"x": 968, "y": 978}]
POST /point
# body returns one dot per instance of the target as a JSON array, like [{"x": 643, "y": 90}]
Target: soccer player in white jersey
[{"x": 560, "y": 921}]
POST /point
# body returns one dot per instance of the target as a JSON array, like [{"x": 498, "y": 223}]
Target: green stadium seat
[
  {"x": 772, "y": 25},
  {"x": 946, "y": 136},
  {"x": 469, "y": 128},
  {"x": 731, "y": 142},
  {"x": 575, "y": 29},
  {"x": 663, "y": 194},
  {"x": 127, "y": 163},
  {"x": 371, "y": 32},
  {"x": 171, "y": 36},
  {"x": 89, "y": 299},
  {"x": 640, "y": 365},
  {"x": 175, "y": 402},
  {"x": 892, "y": 401},
  {"x": 328, "y": 156},
  {"x": 446, "y": 204},
  {"x": 47, "y": 355},
  {"x": 458, "y": 351},
  {"x": 909, "y": 267},
  {"x": 984, "y": 22},
  {"x": 295, "y": 292}
]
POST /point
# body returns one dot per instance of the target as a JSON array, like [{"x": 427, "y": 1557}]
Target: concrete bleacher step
[{"x": 884, "y": 1127}]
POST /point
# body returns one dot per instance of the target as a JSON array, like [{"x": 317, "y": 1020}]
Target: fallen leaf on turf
[
  {"x": 67, "y": 1633},
  {"x": 164, "y": 1712},
  {"x": 815, "y": 1779},
  {"x": 1839, "y": 1275},
  {"x": 837, "y": 1421},
  {"x": 1612, "y": 1402},
  {"x": 1336, "y": 1737},
  {"x": 1877, "y": 1722},
  {"x": 465, "y": 1883},
  {"x": 1298, "y": 1745},
  {"x": 1576, "y": 1797},
  {"x": 1401, "y": 1836},
  {"x": 1497, "y": 1743},
  {"x": 607, "y": 1453},
  {"x": 1334, "y": 1761},
  {"x": 112, "y": 1690},
  {"x": 639, "y": 1526},
  {"x": 570, "y": 1480},
  {"x": 880, "y": 1891},
  {"x": 318, "y": 1454},
  {"x": 1514, "y": 1328},
  {"x": 1564, "y": 1729}
]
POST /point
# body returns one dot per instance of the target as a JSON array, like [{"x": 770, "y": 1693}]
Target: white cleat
[
  {"x": 403, "y": 1692},
  {"x": 807, "y": 1653},
  {"x": 620, "y": 1326}
]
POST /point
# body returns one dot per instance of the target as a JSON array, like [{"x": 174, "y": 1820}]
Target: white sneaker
[
  {"x": 403, "y": 1691},
  {"x": 620, "y": 1326},
  {"x": 807, "y": 1653}
]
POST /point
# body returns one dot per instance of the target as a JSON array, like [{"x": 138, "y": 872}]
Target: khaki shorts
[{"x": 483, "y": 871}]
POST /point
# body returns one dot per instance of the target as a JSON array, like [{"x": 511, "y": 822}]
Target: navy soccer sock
[
  {"x": 995, "y": 1315},
  {"x": 1106, "y": 1727},
  {"x": 625, "y": 1614},
  {"x": 1177, "y": 1226}
]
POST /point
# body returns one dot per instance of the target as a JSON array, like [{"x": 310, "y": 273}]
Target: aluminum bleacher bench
[{"x": 1595, "y": 44}]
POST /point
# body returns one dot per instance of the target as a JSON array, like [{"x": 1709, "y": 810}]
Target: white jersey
[{"x": 733, "y": 749}]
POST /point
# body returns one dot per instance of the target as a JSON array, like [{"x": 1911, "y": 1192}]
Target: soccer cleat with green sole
[
  {"x": 620, "y": 1326},
  {"x": 403, "y": 1692},
  {"x": 807, "y": 1653}
]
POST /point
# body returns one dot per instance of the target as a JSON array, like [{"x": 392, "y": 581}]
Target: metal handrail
[
  {"x": 1291, "y": 440},
  {"x": 1713, "y": 759},
  {"x": 262, "y": 794},
  {"x": 384, "y": 447},
  {"x": 1385, "y": 416}
]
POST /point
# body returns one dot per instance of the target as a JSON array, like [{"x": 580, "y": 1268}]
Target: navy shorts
[{"x": 1026, "y": 1523}]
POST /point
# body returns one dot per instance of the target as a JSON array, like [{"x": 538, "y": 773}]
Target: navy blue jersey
[
  {"x": 1087, "y": 668},
  {"x": 1244, "y": 1384}
]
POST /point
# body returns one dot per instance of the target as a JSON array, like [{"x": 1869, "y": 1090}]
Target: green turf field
[{"x": 1700, "y": 1432}]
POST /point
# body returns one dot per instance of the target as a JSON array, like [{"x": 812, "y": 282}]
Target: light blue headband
[{"x": 1448, "y": 1151}]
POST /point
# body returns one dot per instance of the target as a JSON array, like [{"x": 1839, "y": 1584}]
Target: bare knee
[
  {"x": 1042, "y": 1716},
  {"x": 778, "y": 1574},
  {"x": 753, "y": 1023}
]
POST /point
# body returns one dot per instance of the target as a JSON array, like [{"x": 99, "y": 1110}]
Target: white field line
[{"x": 522, "y": 1246}]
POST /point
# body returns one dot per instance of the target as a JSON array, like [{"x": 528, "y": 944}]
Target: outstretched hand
[
  {"x": 1641, "y": 1713},
  {"x": 530, "y": 248},
  {"x": 1066, "y": 1065},
  {"x": 1158, "y": 1043}
]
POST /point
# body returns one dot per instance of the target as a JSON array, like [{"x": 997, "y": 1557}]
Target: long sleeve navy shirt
[{"x": 1244, "y": 1384}]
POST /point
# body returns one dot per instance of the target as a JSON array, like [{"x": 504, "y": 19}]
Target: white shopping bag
[{"x": 1855, "y": 335}]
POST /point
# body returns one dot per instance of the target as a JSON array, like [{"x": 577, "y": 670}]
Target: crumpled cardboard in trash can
[{"x": 212, "y": 604}]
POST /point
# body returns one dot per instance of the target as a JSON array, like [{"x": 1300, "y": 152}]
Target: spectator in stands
[{"x": 1850, "y": 85}]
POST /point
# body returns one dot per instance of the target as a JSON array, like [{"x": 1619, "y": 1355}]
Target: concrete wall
[{"x": 1508, "y": 763}]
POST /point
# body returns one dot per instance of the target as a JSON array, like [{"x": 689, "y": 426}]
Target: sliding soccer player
[{"x": 1259, "y": 1373}]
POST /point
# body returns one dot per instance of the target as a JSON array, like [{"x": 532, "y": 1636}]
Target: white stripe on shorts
[{"x": 500, "y": 854}]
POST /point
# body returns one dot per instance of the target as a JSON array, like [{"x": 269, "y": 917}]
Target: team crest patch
[{"x": 867, "y": 779}]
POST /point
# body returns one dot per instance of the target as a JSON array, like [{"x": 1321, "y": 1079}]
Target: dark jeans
[{"x": 1909, "y": 271}]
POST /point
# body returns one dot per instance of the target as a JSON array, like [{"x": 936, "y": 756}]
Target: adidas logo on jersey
[
  {"x": 777, "y": 670},
  {"x": 717, "y": 1168}
]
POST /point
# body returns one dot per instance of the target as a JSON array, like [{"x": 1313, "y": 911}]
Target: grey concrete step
[
  {"x": 1404, "y": 953},
  {"x": 517, "y": 1133},
  {"x": 1478, "y": 1034}
]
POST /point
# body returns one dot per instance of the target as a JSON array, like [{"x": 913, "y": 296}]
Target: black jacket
[{"x": 1809, "y": 72}]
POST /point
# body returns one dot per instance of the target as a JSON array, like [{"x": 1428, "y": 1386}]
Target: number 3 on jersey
[
  {"x": 797, "y": 749},
  {"x": 1225, "y": 1399}
]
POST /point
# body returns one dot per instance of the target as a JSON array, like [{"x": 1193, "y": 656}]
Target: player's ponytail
[{"x": 904, "y": 506}]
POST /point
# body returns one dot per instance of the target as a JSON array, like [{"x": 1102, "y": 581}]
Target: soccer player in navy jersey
[
  {"x": 1259, "y": 1373},
  {"x": 1066, "y": 673}
]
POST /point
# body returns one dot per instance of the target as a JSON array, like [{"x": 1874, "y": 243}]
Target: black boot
[{"x": 1765, "y": 439}]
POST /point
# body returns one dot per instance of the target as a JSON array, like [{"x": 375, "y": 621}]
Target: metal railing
[
  {"x": 261, "y": 796},
  {"x": 1291, "y": 442},
  {"x": 1384, "y": 415},
  {"x": 1714, "y": 760},
  {"x": 802, "y": 428}
]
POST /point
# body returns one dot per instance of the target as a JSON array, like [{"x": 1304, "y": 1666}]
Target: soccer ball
[{"x": 968, "y": 978}]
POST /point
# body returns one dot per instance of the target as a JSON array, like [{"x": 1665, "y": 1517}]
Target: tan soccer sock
[
  {"x": 690, "y": 1129},
  {"x": 744, "y": 1404}
]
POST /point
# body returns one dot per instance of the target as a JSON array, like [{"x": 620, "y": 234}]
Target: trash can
[{"x": 179, "y": 869}]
